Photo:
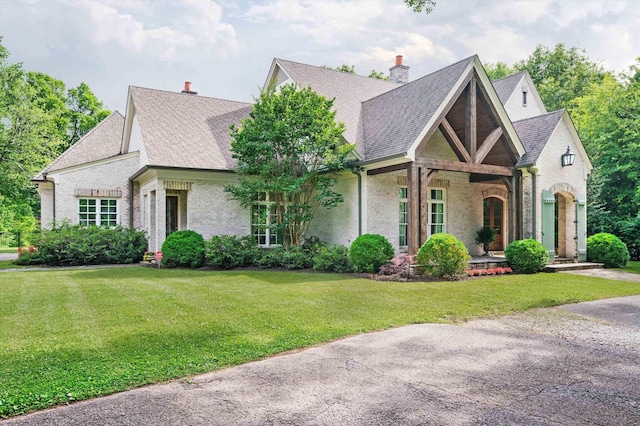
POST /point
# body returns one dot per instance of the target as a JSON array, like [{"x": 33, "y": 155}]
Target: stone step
[
  {"x": 562, "y": 260},
  {"x": 559, "y": 267}
]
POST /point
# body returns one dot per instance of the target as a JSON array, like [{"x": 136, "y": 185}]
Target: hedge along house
[{"x": 448, "y": 152}]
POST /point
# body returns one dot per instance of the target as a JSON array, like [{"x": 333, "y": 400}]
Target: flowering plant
[{"x": 488, "y": 272}]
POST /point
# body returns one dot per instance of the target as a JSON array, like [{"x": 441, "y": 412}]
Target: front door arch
[{"x": 493, "y": 217}]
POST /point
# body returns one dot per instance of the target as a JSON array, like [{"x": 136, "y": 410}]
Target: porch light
[{"x": 568, "y": 158}]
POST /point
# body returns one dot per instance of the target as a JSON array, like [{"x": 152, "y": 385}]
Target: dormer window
[{"x": 524, "y": 95}]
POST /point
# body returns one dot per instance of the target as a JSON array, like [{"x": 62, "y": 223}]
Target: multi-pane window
[
  {"x": 436, "y": 211},
  {"x": 100, "y": 212},
  {"x": 404, "y": 219},
  {"x": 263, "y": 219}
]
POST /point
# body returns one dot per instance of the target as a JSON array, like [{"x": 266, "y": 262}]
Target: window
[
  {"x": 436, "y": 211},
  {"x": 100, "y": 212},
  {"x": 404, "y": 213},
  {"x": 263, "y": 221},
  {"x": 524, "y": 98}
]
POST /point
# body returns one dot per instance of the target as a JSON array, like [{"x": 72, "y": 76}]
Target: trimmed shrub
[
  {"x": 230, "y": 251},
  {"x": 527, "y": 256},
  {"x": 334, "y": 258},
  {"x": 72, "y": 245},
  {"x": 369, "y": 252},
  {"x": 443, "y": 255},
  {"x": 183, "y": 248},
  {"x": 608, "y": 249}
]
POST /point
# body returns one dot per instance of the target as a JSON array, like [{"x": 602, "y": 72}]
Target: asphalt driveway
[{"x": 578, "y": 364}]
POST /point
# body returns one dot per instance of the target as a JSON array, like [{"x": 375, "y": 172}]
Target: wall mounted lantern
[{"x": 568, "y": 158}]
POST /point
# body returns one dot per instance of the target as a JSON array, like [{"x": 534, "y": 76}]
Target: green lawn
[
  {"x": 8, "y": 249},
  {"x": 632, "y": 266},
  {"x": 75, "y": 334},
  {"x": 8, "y": 264}
]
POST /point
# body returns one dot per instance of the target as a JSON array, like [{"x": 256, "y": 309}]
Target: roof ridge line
[
  {"x": 196, "y": 96},
  {"x": 541, "y": 115},
  {"x": 509, "y": 76},
  {"x": 322, "y": 67}
]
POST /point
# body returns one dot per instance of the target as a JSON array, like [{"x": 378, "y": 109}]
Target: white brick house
[{"x": 448, "y": 152}]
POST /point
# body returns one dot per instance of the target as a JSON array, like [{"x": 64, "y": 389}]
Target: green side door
[
  {"x": 581, "y": 228},
  {"x": 549, "y": 224}
]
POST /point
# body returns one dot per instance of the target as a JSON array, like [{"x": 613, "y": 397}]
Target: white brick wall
[
  {"x": 109, "y": 175},
  {"x": 339, "y": 225}
]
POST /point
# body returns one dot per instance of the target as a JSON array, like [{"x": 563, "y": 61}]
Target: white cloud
[
  {"x": 566, "y": 13},
  {"x": 201, "y": 26},
  {"x": 328, "y": 22},
  {"x": 498, "y": 45},
  {"x": 415, "y": 48},
  {"x": 524, "y": 13}
]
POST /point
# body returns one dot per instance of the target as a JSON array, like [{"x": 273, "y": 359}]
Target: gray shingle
[
  {"x": 349, "y": 91},
  {"x": 188, "y": 131},
  {"x": 393, "y": 121},
  {"x": 103, "y": 141},
  {"x": 534, "y": 133},
  {"x": 506, "y": 85}
]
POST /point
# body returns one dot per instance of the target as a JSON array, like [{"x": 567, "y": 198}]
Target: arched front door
[{"x": 493, "y": 218}]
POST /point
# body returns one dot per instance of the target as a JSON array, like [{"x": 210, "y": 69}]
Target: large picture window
[
  {"x": 263, "y": 221},
  {"x": 404, "y": 216},
  {"x": 97, "y": 211}
]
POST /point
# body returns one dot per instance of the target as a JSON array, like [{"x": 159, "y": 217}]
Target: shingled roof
[
  {"x": 534, "y": 133},
  {"x": 506, "y": 85},
  {"x": 349, "y": 91},
  {"x": 103, "y": 141},
  {"x": 186, "y": 130},
  {"x": 393, "y": 121}
]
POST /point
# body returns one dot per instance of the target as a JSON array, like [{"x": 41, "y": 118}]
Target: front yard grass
[
  {"x": 632, "y": 266},
  {"x": 75, "y": 334},
  {"x": 8, "y": 264}
]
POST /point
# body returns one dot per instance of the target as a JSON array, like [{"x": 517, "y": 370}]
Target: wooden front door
[{"x": 493, "y": 218}]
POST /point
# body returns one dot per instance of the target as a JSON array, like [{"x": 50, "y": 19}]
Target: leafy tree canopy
[
  {"x": 38, "y": 121},
  {"x": 421, "y": 5},
  {"x": 292, "y": 148}
]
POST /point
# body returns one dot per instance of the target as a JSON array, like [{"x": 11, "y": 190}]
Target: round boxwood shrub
[
  {"x": 527, "y": 256},
  {"x": 369, "y": 252},
  {"x": 183, "y": 248},
  {"x": 608, "y": 249},
  {"x": 443, "y": 255}
]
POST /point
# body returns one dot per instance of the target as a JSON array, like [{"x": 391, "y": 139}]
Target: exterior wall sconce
[{"x": 568, "y": 158}]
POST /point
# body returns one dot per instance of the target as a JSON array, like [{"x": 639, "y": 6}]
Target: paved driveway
[{"x": 578, "y": 364}]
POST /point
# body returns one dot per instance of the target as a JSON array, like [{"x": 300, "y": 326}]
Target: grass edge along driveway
[{"x": 76, "y": 334}]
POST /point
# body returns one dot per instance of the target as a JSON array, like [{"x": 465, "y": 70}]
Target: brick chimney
[
  {"x": 187, "y": 88},
  {"x": 399, "y": 73}
]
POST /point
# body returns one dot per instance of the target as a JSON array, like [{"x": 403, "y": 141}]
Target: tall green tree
[
  {"x": 608, "y": 120},
  {"x": 291, "y": 148},
  {"x": 84, "y": 112},
  {"x": 561, "y": 74},
  {"x": 498, "y": 70},
  {"x": 38, "y": 121}
]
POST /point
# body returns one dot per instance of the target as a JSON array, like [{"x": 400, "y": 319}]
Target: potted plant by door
[{"x": 485, "y": 236}]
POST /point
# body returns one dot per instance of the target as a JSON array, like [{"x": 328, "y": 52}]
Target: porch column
[
  {"x": 413, "y": 188},
  {"x": 512, "y": 215}
]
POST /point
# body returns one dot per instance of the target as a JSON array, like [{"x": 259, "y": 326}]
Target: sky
[{"x": 225, "y": 47}]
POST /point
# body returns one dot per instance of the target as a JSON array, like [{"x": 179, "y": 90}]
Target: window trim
[{"x": 98, "y": 219}]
